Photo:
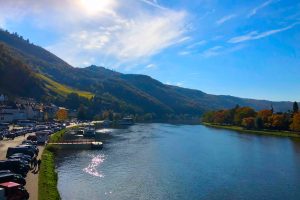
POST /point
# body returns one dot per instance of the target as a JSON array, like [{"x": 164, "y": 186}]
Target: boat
[
  {"x": 96, "y": 145},
  {"x": 89, "y": 132},
  {"x": 126, "y": 121}
]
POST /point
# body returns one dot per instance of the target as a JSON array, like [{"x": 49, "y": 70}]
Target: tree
[
  {"x": 295, "y": 107},
  {"x": 295, "y": 125},
  {"x": 242, "y": 113},
  {"x": 72, "y": 101},
  {"x": 62, "y": 114},
  {"x": 248, "y": 122},
  {"x": 208, "y": 117},
  {"x": 265, "y": 115},
  {"x": 277, "y": 121},
  {"x": 259, "y": 124},
  {"x": 82, "y": 113}
]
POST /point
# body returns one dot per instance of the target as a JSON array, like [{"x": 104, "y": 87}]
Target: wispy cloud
[
  {"x": 151, "y": 66},
  {"x": 254, "y": 35},
  {"x": 256, "y": 9},
  {"x": 213, "y": 51},
  {"x": 184, "y": 53},
  {"x": 196, "y": 44},
  {"x": 109, "y": 31},
  {"x": 225, "y": 19},
  {"x": 153, "y": 3},
  {"x": 220, "y": 50}
]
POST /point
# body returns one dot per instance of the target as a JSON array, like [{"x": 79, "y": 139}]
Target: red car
[{"x": 13, "y": 191}]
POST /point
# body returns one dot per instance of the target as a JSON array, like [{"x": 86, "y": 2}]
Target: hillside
[
  {"x": 17, "y": 79},
  {"x": 124, "y": 92}
]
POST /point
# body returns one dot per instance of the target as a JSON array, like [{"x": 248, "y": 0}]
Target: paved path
[{"x": 31, "y": 179}]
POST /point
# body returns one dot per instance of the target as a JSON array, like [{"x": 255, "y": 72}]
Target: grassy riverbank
[
  {"x": 47, "y": 175},
  {"x": 259, "y": 132}
]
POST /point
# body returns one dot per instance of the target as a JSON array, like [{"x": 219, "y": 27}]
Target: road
[{"x": 32, "y": 178}]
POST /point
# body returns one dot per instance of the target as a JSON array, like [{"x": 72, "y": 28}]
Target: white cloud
[
  {"x": 256, "y": 9},
  {"x": 114, "y": 32},
  {"x": 225, "y": 19},
  {"x": 151, "y": 66},
  {"x": 254, "y": 35}
]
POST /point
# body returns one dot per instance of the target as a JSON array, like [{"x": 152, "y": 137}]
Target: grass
[
  {"x": 56, "y": 137},
  {"x": 47, "y": 175},
  {"x": 260, "y": 132},
  {"x": 63, "y": 90}
]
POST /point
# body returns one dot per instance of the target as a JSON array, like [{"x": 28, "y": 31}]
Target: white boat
[{"x": 126, "y": 121}]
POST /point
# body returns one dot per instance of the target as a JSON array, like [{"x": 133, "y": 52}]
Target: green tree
[
  {"x": 82, "y": 113},
  {"x": 259, "y": 124},
  {"x": 295, "y": 107},
  {"x": 72, "y": 101}
]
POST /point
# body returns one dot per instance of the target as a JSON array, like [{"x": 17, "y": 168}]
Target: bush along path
[{"x": 47, "y": 185}]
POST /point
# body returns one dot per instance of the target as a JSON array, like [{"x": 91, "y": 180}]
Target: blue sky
[{"x": 241, "y": 48}]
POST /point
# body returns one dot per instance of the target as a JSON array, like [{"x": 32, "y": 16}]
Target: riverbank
[
  {"x": 47, "y": 184},
  {"x": 258, "y": 132}
]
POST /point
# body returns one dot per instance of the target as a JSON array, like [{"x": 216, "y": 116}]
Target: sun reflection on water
[{"x": 92, "y": 167}]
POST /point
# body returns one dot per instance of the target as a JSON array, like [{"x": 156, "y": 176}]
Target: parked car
[
  {"x": 20, "y": 156},
  {"x": 32, "y": 138},
  {"x": 29, "y": 146},
  {"x": 10, "y": 177},
  {"x": 20, "y": 160},
  {"x": 10, "y": 135},
  {"x": 15, "y": 167},
  {"x": 4, "y": 126},
  {"x": 14, "y": 191},
  {"x": 29, "y": 142},
  {"x": 23, "y": 150},
  {"x": 5, "y": 171}
]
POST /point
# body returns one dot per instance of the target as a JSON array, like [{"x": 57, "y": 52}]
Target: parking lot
[
  {"x": 31, "y": 178},
  {"x": 16, "y": 142}
]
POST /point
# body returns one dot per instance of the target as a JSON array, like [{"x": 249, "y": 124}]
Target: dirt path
[{"x": 32, "y": 178}]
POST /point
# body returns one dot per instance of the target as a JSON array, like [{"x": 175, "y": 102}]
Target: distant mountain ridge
[{"x": 142, "y": 92}]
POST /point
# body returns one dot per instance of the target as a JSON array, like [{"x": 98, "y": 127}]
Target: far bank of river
[
  {"x": 170, "y": 162},
  {"x": 259, "y": 132}
]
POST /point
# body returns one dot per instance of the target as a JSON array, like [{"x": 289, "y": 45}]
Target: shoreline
[
  {"x": 257, "y": 132},
  {"x": 47, "y": 183}
]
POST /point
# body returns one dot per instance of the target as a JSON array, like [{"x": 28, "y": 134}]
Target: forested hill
[{"x": 123, "y": 92}]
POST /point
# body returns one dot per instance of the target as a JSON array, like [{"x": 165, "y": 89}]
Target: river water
[{"x": 186, "y": 162}]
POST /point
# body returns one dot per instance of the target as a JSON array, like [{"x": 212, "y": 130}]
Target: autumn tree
[
  {"x": 241, "y": 113},
  {"x": 295, "y": 125},
  {"x": 248, "y": 122},
  {"x": 62, "y": 114},
  {"x": 265, "y": 116},
  {"x": 277, "y": 121}
]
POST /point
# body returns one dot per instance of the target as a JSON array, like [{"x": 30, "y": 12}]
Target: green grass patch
[
  {"x": 61, "y": 89},
  {"x": 48, "y": 177},
  {"x": 260, "y": 132},
  {"x": 47, "y": 174},
  {"x": 56, "y": 137}
]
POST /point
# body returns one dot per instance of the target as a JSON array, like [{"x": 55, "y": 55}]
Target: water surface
[{"x": 186, "y": 162}]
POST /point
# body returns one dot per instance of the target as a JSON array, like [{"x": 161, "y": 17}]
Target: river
[{"x": 186, "y": 162}]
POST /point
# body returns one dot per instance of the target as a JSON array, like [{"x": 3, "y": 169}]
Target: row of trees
[{"x": 250, "y": 119}]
